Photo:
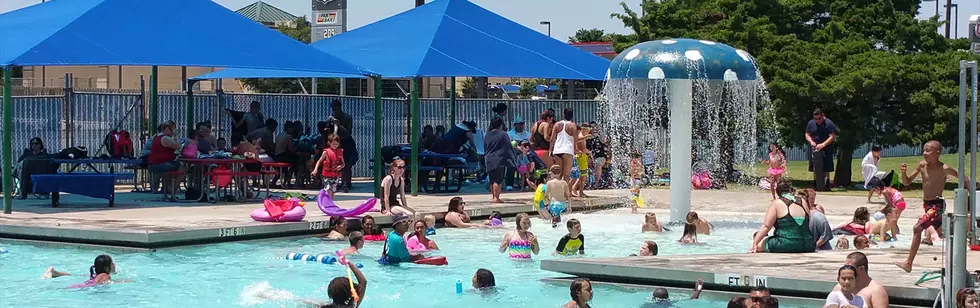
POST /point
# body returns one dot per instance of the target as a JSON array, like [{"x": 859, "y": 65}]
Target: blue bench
[{"x": 95, "y": 185}]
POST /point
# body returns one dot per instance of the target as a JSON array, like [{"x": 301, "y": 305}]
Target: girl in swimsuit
[
  {"x": 371, "y": 231},
  {"x": 520, "y": 243},
  {"x": 791, "y": 219},
  {"x": 456, "y": 216},
  {"x": 393, "y": 188},
  {"x": 417, "y": 241},
  {"x": 891, "y": 195},
  {"x": 541, "y": 136},
  {"x": 581, "y": 291},
  {"x": 860, "y": 224},
  {"x": 777, "y": 166},
  {"x": 563, "y": 146},
  {"x": 690, "y": 234},
  {"x": 99, "y": 273}
]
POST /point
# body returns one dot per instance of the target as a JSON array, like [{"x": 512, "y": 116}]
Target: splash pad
[{"x": 690, "y": 102}]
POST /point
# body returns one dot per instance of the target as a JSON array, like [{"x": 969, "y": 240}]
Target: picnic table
[
  {"x": 91, "y": 162},
  {"x": 445, "y": 164},
  {"x": 202, "y": 171}
]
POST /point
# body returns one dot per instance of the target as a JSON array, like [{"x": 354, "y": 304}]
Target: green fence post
[
  {"x": 154, "y": 100},
  {"x": 8, "y": 125},
  {"x": 415, "y": 136},
  {"x": 452, "y": 101},
  {"x": 378, "y": 164},
  {"x": 189, "y": 107}
]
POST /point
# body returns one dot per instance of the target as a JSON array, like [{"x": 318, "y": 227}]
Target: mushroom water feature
[{"x": 694, "y": 104}]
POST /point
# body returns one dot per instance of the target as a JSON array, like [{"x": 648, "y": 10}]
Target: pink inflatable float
[{"x": 280, "y": 211}]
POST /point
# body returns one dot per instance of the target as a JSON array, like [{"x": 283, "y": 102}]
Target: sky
[{"x": 566, "y": 16}]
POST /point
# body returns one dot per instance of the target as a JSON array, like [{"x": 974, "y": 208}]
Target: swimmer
[
  {"x": 520, "y": 243},
  {"x": 338, "y": 229},
  {"x": 661, "y": 297},
  {"x": 356, "y": 243},
  {"x": 419, "y": 235},
  {"x": 496, "y": 220},
  {"x": 341, "y": 292},
  {"x": 859, "y": 224},
  {"x": 581, "y": 291},
  {"x": 649, "y": 248},
  {"x": 573, "y": 242},
  {"x": 651, "y": 224},
  {"x": 99, "y": 272},
  {"x": 690, "y": 234},
  {"x": 886, "y": 228},
  {"x": 483, "y": 280},
  {"x": 430, "y": 224},
  {"x": 934, "y": 175},
  {"x": 558, "y": 193},
  {"x": 456, "y": 217},
  {"x": 842, "y": 244},
  {"x": 862, "y": 242},
  {"x": 846, "y": 297},
  {"x": 703, "y": 227},
  {"x": 369, "y": 227}
]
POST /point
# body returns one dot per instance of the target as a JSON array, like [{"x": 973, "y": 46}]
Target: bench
[{"x": 93, "y": 185}]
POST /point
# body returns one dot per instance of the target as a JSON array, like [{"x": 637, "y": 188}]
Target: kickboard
[{"x": 433, "y": 261}]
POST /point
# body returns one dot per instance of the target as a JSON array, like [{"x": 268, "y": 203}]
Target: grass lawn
[{"x": 797, "y": 172}]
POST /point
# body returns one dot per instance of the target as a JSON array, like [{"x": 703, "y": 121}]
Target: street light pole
[
  {"x": 547, "y": 23},
  {"x": 956, "y": 20},
  {"x": 949, "y": 4}
]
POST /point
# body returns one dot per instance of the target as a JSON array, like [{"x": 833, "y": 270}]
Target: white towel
[{"x": 868, "y": 168}]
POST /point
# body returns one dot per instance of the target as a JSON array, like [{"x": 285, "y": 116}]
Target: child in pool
[
  {"x": 483, "y": 280},
  {"x": 891, "y": 195},
  {"x": 356, "y": 243},
  {"x": 495, "y": 220},
  {"x": 99, "y": 272},
  {"x": 702, "y": 225},
  {"x": 886, "y": 228},
  {"x": 842, "y": 244},
  {"x": 863, "y": 242},
  {"x": 690, "y": 234},
  {"x": 341, "y": 292},
  {"x": 371, "y": 231},
  {"x": 430, "y": 224},
  {"x": 651, "y": 224},
  {"x": 573, "y": 242},
  {"x": 777, "y": 166},
  {"x": 558, "y": 193},
  {"x": 648, "y": 248},
  {"x": 581, "y": 291}
]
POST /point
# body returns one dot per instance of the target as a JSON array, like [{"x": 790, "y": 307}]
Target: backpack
[{"x": 119, "y": 144}]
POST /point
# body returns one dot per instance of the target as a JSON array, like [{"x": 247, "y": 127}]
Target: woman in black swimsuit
[
  {"x": 541, "y": 136},
  {"x": 393, "y": 187}
]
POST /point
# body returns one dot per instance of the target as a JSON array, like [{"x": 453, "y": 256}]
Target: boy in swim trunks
[
  {"x": 581, "y": 161},
  {"x": 558, "y": 193},
  {"x": 573, "y": 242},
  {"x": 934, "y": 175}
]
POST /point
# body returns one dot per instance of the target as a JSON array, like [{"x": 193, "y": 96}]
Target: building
[{"x": 268, "y": 15}]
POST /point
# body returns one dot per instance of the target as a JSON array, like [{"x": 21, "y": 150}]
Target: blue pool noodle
[{"x": 325, "y": 259}]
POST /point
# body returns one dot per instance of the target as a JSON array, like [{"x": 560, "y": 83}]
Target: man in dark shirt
[
  {"x": 821, "y": 134},
  {"x": 346, "y": 142}
]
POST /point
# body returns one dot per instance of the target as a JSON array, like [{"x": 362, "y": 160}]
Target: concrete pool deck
[{"x": 140, "y": 220}]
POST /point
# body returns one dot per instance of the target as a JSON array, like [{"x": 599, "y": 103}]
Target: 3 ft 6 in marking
[
  {"x": 231, "y": 232},
  {"x": 734, "y": 280}
]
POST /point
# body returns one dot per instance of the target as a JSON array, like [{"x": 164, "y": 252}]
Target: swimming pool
[{"x": 233, "y": 274}]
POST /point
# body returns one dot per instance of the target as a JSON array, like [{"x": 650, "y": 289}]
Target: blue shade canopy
[
  {"x": 683, "y": 59},
  {"x": 260, "y": 73},
  {"x": 447, "y": 38},
  {"x": 165, "y": 33}
]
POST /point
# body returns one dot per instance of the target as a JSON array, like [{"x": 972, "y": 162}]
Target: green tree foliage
[
  {"x": 589, "y": 36},
  {"x": 881, "y": 75},
  {"x": 468, "y": 86},
  {"x": 301, "y": 33}
]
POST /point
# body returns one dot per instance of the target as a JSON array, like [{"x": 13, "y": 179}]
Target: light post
[
  {"x": 956, "y": 20},
  {"x": 547, "y": 23}
]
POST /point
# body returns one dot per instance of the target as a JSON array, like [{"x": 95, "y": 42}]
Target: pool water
[{"x": 236, "y": 274}]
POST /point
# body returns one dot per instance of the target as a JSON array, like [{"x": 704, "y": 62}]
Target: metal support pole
[
  {"x": 415, "y": 113},
  {"x": 189, "y": 107},
  {"x": 343, "y": 86},
  {"x": 974, "y": 134},
  {"x": 154, "y": 98},
  {"x": 452, "y": 101},
  {"x": 8, "y": 126},
  {"x": 959, "y": 222},
  {"x": 313, "y": 86},
  {"x": 681, "y": 97},
  {"x": 378, "y": 164},
  {"x": 948, "y": 3}
]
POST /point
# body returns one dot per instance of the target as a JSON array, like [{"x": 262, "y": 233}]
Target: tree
[
  {"x": 883, "y": 76},
  {"x": 468, "y": 86},
  {"x": 301, "y": 33},
  {"x": 589, "y": 35}
]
